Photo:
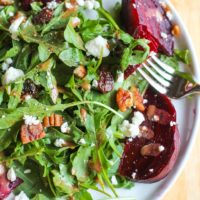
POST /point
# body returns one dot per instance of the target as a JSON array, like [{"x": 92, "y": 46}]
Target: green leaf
[
  {"x": 72, "y": 57},
  {"x": 80, "y": 163},
  {"x": 40, "y": 197},
  {"x": 72, "y": 37},
  {"x": 44, "y": 52},
  {"x": 82, "y": 195},
  {"x": 63, "y": 180},
  {"x": 183, "y": 55}
]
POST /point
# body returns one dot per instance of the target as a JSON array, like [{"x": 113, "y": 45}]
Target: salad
[{"x": 75, "y": 115}]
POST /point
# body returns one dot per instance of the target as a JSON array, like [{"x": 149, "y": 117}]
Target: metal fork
[{"x": 165, "y": 80}]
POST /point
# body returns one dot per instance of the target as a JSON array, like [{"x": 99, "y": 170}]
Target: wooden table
[{"x": 187, "y": 187}]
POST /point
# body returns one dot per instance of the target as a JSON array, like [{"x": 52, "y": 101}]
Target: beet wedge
[
  {"x": 147, "y": 19},
  {"x": 149, "y": 159},
  {"x": 6, "y": 186}
]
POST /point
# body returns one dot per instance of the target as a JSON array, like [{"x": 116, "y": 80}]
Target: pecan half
[
  {"x": 153, "y": 149},
  {"x": 53, "y": 120},
  {"x": 137, "y": 99},
  {"x": 124, "y": 99}
]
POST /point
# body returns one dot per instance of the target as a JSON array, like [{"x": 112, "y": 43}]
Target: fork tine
[
  {"x": 166, "y": 67},
  {"x": 160, "y": 71},
  {"x": 156, "y": 76},
  {"x": 152, "y": 82}
]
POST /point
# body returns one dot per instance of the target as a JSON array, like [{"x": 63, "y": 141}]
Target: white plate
[{"x": 188, "y": 113}]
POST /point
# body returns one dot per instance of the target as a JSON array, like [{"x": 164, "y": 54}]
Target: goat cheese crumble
[
  {"x": 65, "y": 128},
  {"x": 98, "y": 47},
  {"x": 11, "y": 75},
  {"x": 52, "y": 5},
  {"x": 31, "y": 120},
  {"x": 16, "y": 24},
  {"x": 59, "y": 142},
  {"x": 21, "y": 196},
  {"x": 11, "y": 175}
]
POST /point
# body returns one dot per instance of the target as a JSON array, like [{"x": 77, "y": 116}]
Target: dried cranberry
[
  {"x": 30, "y": 88},
  {"x": 43, "y": 16},
  {"x": 106, "y": 82}
]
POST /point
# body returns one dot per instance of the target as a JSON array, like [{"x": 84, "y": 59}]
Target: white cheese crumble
[
  {"x": 163, "y": 35},
  {"x": 145, "y": 101},
  {"x": 21, "y": 196},
  {"x": 65, "y": 128},
  {"x": 129, "y": 130},
  {"x": 114, "y": 180},
  {"x": 11, "y": 75},
  {"x": 151, "y": 170},
  {"x": 52, "y": 5},
  {"x": 155, "y": 118},
  {"x": 27, "y": 97},
  {"x": 2, "y": 169},
  {"x": 172, "y": 123},
  {"x": 82, "y": 141},
  {"x": 89, "y": 4},
  {"x": 59, "y": 142},
  {"x": 134, "y": 5},
  {"x": 11, "y": 175},
  {"x": 75, "y": 21},
  {"x": 95, "y": 83},
  {"x": 120, "y": 77},
  {"x": 16, "y": 24},
  {"x": 132, "y": 129},
  {"x": 31, "y": 120},
  {"x": 161, "y": 148},
  {"x": 27, "y": 171},
  {"x": 138, "y": 118},
  {"x": 9, "y": 61},
  {"x": 5, "y": 66},
  {"x": 133, "y": 175},
  {"x": 98, "y": 47}
]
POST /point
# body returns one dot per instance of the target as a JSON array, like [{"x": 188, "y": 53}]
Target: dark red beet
[
  {"x": 6, "y": 187},
  {"x": 152, "y": 168},
  {"x": 147, "y": 19},
  {"x": 130, "y": 70},
  {"x": 106, "y": 82}
]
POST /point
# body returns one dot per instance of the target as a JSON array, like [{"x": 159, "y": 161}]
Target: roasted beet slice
[
  {"x": 147, "y": 19},
  {"x": 106, "y": 81},
  {"x": 149, "y": 159},
  {"x": 6, "y": 186}
]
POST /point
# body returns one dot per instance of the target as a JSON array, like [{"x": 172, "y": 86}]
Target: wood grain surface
[{"x": 187, "y": 187}]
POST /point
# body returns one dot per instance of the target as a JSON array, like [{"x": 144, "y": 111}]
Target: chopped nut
[
  {"x": 83, "y": 114},
  {"x": 176, "y": 31},
  {"x": 137, "y": 99},
  {"x": 124, "y": 99},
  {"x": 6, "y": 2},
  {"x": 158, "y": 115},
  {"x": 151, "y": 150},
  {"x": 146, "y": 132},
  {"x": 80, "y": 72},
  {"x": 53, "y": 120},
  {"x": 31, "y": 133},
  {"x": 58, "y": 120},
  {"x": 96, "y": 166},
  {"x": 86, "y": 86}
]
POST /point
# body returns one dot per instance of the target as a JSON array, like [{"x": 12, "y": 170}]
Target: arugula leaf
[
  {"x": 183, "y": 55},
  {"x": 72, "y": 57},
  {"x": 44, "y": 52},
  {"x": 63, "y": 180},
  {"x": 80, "y": 163},
  {"x": 72, "y": 37}
]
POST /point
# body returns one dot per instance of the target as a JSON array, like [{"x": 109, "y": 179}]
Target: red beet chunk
[
  {"x": 147, "y": 19},
  {"x": 6, "y": 186},
  {"x": 147, "y": 168}
]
